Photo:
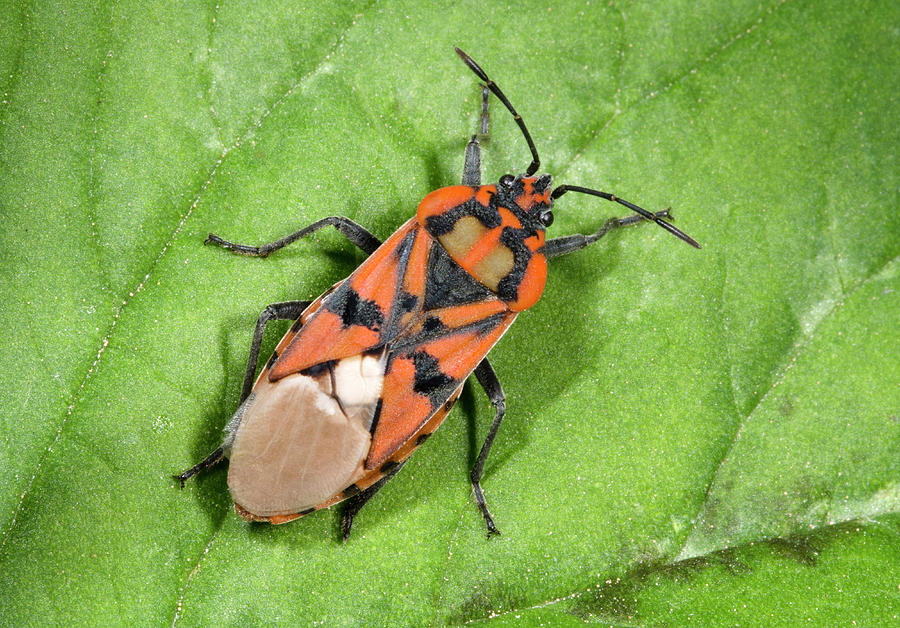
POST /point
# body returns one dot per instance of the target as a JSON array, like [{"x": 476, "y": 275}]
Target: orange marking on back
[
  {"x": 484, "y": 194},
  {"x": 403, "y": 412},
  {"x": 414, "y": 281},
  {"x": 441, "y": 200},
  {"x": 535, "y": 242},
  {"x": 379, "y": 285},
  {"x": 509, "y": 219},
  {"x": 481, "y": 248},
  {"x": 279, "y": 519},
  {"x": 322, "y": 339},
  {"x": 274, "y": 519},
  {"x": 458, "y": 353},
  {"x": 532, "y": 285},
  {"x": 459, "y": 315},
  {"x": 376, "y": 278},
  {"x": 432, "y": 424}
]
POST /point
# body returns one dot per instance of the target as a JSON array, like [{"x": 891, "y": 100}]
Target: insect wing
[
  {"x": 428, "y": 365},
  {"x": 302, "y": 438},
  {"x": 303, "y": 434},
  {"x": 374, "y": 368}
]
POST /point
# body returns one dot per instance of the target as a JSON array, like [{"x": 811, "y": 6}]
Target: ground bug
[{"x": 372, "y": 367}]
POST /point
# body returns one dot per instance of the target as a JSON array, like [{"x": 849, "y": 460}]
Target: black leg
[
  {"x": 566, "y": 244},
  {"x": 486, "y": 376},
  {"x": 289, "y": 310},
  {"x": 203, "y": 465},
  {"x": 353, "y": 505},
  {"x": 357, "y": 234},
  {"x": 286, "y": 311},
  {"x": 472, "y": 164}
]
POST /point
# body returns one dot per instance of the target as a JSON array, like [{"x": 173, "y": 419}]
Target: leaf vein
[
  {"x": 256, "y": 124},
  {"x": 654, "y": 92},
  {"x": 104, "y": 343},
  {"x": 789, "y": 362}
]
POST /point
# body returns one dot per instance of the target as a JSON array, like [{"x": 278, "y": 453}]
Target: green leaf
[{"x": 706, "y": 436}]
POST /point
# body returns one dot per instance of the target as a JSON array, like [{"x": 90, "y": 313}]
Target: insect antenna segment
[
  {"x": 536, "y": 160},
  {"x": 491, "y": 85},
  {"x": 562, "y": 189}
]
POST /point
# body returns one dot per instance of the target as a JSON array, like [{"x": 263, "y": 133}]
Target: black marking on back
[
  {"x": 432, "y": 324},
  {"x": 422, "y": 438},
  {"x": 481, "y": 326},
  {"x": 306, "y": 512},
  {"x": 376, "y": 416},
  {"x": 448, "y": 284},
  {"x": 272, "y": 360},
  {"x": 402, "y": 253},
  {"x": 297, "y": 325},
  {"x": 443, "y": 223},
  {"x": 430, "y": 381},
  {"x": 318, "y": 369},
  {"x": 513, "y": 239},
  {"x": 540, "y": 184},
  {"x": 531, "y": 220},
  {"x": 388, "y": 466},
  {"x": 353, "y": 309},
  {"x": 408, "y": 301}
]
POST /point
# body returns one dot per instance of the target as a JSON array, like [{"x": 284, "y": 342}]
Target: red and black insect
[{"x": 372, "y": 367}]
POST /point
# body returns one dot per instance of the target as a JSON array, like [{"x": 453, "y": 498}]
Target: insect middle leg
[
  {"x": 287, "y": 310},
  {"x": 487, "y": 377},
  {"x": 357, "y": 234},
  {"x": 566, "y": 244}
]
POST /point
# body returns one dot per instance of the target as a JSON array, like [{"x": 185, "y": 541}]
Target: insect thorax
[{"x": 495, "y": 233}]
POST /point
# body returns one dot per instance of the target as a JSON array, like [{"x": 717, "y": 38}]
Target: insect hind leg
[
  {"x": 355, "y": 503},
  {"x": 285, "y": 311},
  {"x": 210, "y": 461},
  {"x": 487, "y": 377},
  {"x": 288, "y": 310}
]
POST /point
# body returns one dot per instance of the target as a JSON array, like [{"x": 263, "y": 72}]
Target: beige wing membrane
[{"x": 299, "y": 440}]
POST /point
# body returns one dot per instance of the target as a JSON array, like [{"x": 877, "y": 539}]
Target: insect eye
[
  {"x": 546, "y": 218},
  {"x": 507, "y": 180}
]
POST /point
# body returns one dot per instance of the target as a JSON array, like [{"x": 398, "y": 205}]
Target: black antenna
[
  {"x": 562, "y": 189},
  {"x": 491, "y": 85}
]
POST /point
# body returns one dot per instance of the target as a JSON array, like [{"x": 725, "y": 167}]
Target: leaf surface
[{"x": 706, "y": 436}]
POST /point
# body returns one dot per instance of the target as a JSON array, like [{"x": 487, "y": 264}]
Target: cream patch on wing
[
  {"x": 303, "y": 438},
  {"x": 358, "y": 380}
]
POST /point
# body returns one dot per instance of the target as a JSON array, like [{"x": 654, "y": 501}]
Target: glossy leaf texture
[{"x": 692, "y": 436}]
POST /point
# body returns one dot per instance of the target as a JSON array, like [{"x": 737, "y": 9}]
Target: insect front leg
[
  {"x": 472, "y": 164},
  {"x": 288, "y": 310},
  {"x": 567, "y": 244},
  {"x": 487, "y": 377},
  {"x": 354, "y": 232}
]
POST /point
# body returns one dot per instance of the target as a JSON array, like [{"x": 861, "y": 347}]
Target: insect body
[{"x": 372, "y": 367}]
